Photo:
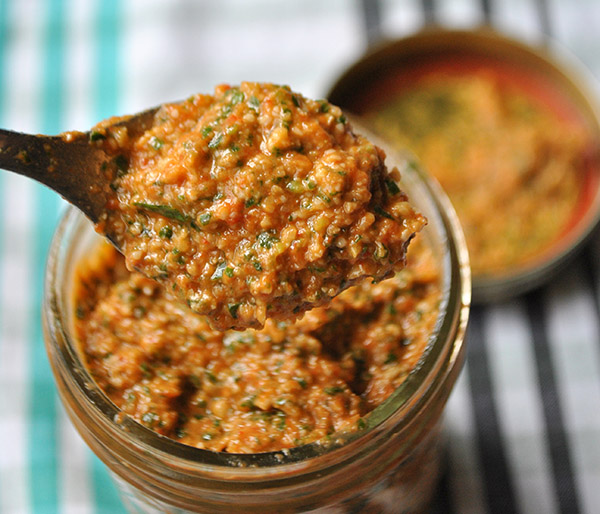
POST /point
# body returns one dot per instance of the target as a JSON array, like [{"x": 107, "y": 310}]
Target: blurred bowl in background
[{"x": 510, "y": 131}]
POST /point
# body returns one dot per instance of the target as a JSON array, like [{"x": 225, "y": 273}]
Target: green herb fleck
[
  {"x": 254, "y": 103},
  {"x": 122, "y": 165},
  {"x": 324, "y": 197},
  {"x": 391, "y": 358},
  {"x": 333, "y": 390},
  {"x": 295, "y": 186},
  {"x": 302, "y": 382},
  {"x": 155, "y": 143},
  {"x": 195, "y": 380},
  {"x": 150, "y": 419},
  {"x": 249, "y": 402},
  {"x": 145, "y": 370},
  {"x": 211, "y": 377},
  {"x": 392, "y": 186},
  {"x": 205, "y": 218},
  {"x": 219, "y": 270},
  {"x": 280, "y": 423},
  {"x": 96, "y": 136},
  {"x": 215, "y": 141},
  {"x": 233, "y": 309},
  {"x": 383, "y": 213},
  {"x": 266, "y": 240},
  {"x": 237, "y": 96},
  {"x": 139, "y": 311},
  {"x": 166, "y": 232},
  {"x": 164, "y": 210}
]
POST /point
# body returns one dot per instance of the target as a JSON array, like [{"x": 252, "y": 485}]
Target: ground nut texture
[
  {"x": 255, "y": 203},
  {"x": 288, "y": 384}
]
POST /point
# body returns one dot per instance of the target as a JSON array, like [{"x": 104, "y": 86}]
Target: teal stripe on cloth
[
  {"x": 106, "y": 496},
  {"x": 106, "y": 96},
  {"x": 3, "y": 43},
  {"x": 43, "y": 458},
  {"x": 108, "y": 61}
]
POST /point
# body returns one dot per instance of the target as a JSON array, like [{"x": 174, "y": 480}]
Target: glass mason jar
[{"x": 391, "y": 465}]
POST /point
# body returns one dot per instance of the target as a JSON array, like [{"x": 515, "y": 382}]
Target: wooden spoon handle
[{"x": 69, "y": 165}]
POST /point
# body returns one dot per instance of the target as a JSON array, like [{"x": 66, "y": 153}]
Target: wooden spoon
[{"x": 71, "y": 163}]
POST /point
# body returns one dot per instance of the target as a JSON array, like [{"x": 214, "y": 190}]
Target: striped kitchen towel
[{"x": 524, "y": 421}]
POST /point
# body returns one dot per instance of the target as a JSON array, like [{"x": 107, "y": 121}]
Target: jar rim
[{"x": 443, "y": 350}]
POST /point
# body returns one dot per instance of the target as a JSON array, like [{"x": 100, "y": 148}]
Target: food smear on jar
[
  {"x": 255, "y": 203},
  {"x": 288, "y": 384},
  {"x": 513, "y": 167}
]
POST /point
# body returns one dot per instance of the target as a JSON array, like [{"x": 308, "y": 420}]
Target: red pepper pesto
[
  {"x": 288, "y": 384},
  {"x": 255, "y": 203},
  {"x": 512, "y": 166}
]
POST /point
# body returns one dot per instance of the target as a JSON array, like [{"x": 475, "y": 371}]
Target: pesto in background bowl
[{"x": 548, "y": 75}]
